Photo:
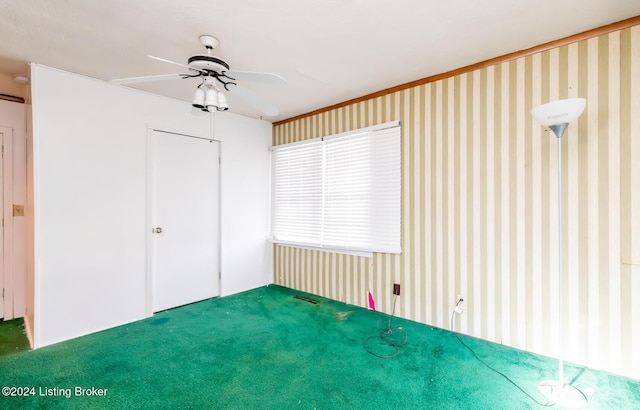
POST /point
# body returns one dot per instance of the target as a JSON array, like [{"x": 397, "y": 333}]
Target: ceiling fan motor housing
[{"x": 201, "y": 63}]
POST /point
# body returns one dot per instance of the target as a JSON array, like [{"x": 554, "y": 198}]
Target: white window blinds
[
  {"x": 340, "y": 192},
  {"x": 297, "y": 193}
]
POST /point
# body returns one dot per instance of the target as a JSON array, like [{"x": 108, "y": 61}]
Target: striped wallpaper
[{"x": 479, "y": 201}]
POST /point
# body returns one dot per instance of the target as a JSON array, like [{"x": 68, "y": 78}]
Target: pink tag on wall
[{"x": 372, "y": 303}]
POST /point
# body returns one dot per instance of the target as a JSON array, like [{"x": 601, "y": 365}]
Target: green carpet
[
  {"x": 12, "y": 336},
  {"x": 264, "y": 349}
]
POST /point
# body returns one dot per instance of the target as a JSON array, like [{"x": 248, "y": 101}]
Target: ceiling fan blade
[
  {"x": 164, "y": 60},
  {"x": 147, "y": 79},
  {"x": 255, "y": 101},
  {"x": 266, "y": 78}
]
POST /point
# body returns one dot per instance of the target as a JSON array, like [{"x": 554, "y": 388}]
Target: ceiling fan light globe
[
  {"x": 222, "y": 102},
  {"x": 211, "y": 100},
  {"x": 198, "y": 99}
]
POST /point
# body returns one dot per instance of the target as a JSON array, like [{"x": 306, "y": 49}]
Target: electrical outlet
[
  {"x": 396, "y": 289},
  {"x": 459, "y": 307}
]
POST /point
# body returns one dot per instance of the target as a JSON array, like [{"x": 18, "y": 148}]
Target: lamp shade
[
  {"x": 559, "y": 112},
  {"x": 198, "y": 98},
  {"x": 222, "y": 102},
  {"x": 211, "y": 102}
]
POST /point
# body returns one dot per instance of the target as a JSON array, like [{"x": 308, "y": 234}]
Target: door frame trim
[{"x": 6, "y": 189}]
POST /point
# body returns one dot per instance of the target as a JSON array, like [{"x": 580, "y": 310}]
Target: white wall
[
  {"x": 245, "y": 202},
  {"x": 12, "y": 115},
  {"x": 89, "y": 165},
  {"x": 29, "y": 314}
]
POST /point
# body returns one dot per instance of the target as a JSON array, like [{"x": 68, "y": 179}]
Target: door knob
[{"x": 157, "y": 230}]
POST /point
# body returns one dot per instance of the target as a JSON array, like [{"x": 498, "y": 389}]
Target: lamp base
[{"x": 562, "y": 394}]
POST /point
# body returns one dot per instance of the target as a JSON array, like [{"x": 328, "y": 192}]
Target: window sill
[{"x": 353, "y": 252}]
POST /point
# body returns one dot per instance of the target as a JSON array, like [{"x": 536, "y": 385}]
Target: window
[{"x": 340, "y": 192}]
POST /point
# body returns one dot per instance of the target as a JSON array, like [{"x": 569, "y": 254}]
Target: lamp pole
[
  {"x": 560, "y": 272},
  {"x": 557, "y": 115}
]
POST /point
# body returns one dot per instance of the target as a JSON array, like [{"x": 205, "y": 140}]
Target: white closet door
[{"x": 185, "y": 221}]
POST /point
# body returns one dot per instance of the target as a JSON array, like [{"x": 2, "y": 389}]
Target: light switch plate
[{"x": 18, "y": 210}]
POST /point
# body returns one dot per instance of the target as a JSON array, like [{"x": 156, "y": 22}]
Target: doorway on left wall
[
  {"x": 5, "y": 280},
  {"x": 13, "y": 262}
]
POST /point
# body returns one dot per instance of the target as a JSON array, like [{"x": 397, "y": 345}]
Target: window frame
[{"x": 373, "y": 152}]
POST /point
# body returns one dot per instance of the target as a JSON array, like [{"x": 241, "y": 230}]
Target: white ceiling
[{"x": 329, "y": 51}]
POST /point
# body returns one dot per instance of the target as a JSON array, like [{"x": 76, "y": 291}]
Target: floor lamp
[{"x": 557, "y": 115}]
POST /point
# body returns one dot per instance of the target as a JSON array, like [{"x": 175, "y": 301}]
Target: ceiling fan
[{"x": 215, "y": 73}]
